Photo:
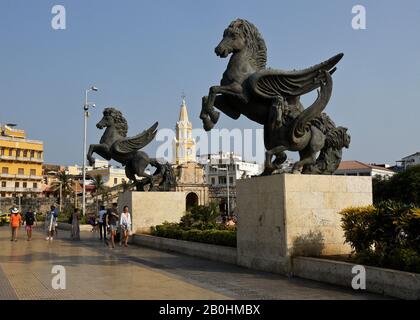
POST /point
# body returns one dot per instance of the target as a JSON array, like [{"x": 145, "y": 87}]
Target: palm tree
[
  {"x": 64, "y": 182},
  {"x": 99, "y": 183}
]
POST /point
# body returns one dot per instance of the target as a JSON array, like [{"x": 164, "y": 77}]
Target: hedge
[
  {"x": 386, "y": 235},
  {"x": 212, "y": 236}
]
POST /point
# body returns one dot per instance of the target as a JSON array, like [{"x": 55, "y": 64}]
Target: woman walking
[
  {"x": 15, "y": 223},
  {"x": 75, "y": 228},
  {"x": 125, "y": 224}
]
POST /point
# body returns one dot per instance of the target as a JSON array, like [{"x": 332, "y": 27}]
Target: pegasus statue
[
  {"x": 271, "y": 98},
  {"x": 115, "y": 144}
]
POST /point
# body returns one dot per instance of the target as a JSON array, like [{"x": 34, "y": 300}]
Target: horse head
[
  {"x": 113, "y": 117},
  {"x": 239, "y": 35}
]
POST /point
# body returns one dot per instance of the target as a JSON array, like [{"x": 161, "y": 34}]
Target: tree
[
  {"x": 403, "y": 187},
  {"x": 99, "y": 184},
  {"x": 64, "y": 181}
]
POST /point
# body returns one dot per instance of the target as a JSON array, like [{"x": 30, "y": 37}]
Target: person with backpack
[
  {"x": 15, "y": 222},
  {"x": 29, "y": 222}
]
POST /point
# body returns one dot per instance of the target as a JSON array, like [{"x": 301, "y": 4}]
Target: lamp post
[{"x": 86, "y": 107}]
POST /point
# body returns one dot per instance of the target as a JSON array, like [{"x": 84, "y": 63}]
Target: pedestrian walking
[
  {"x": 112, "y": 224},
  {"x": 29, "y": 222},
  {"x": 75, "y": 227},
  {"x": 101, "y": 222},
  {"x": 50, "y": 225},
  {"x": 125, "y": 225},
  {"x": 15, "y": 223}
]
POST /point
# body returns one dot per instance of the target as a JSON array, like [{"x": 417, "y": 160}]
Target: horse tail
[{"x": 301, "y": 130}]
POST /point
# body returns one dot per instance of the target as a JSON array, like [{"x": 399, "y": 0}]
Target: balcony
[
  {"x": 20, "y": 176},
  {"x": 23, "y": 159},
  {"x": 20, "y": 190},
  {"x": 4, "y": 157}
]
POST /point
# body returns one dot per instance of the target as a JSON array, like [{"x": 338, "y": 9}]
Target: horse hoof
[
  {"x": 214, "y": 116},
  {"x": 208, "y": 124}
]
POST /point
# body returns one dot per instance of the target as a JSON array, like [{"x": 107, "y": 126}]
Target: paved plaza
[{"x": 94, "y": 271}]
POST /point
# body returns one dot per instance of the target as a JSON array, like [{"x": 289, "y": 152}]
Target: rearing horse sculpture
[
  {"x": 272, "y": 98},
  {"x": 115, "y": 144}
]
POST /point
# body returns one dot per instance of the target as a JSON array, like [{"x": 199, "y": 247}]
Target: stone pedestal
[
  {"x": 284, "y": 215},
  {"x": 149, "y": 209}
]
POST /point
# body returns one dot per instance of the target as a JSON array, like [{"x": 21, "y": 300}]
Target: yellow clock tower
[{"x": 184, "y": 144}]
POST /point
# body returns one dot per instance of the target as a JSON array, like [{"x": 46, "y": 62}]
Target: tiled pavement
[{"x": 94, "y": 271}]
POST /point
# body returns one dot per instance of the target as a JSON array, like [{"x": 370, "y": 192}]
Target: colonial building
[
  {"x": 21, "y": 164},
  {"x": 189, "y": 174}
]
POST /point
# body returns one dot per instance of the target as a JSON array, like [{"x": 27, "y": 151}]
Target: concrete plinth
[
  {"x": 284, "y": 215},
  {"x": 149, "y": 209}
]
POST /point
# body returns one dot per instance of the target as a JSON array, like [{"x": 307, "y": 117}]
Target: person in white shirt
[{"x": 125, "y": 225}]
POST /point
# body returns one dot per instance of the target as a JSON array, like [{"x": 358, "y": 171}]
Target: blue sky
[{"x": 144, "y": 54}]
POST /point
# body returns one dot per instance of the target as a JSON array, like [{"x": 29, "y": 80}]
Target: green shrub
[
  {"x": 387, "y": 235},
  {"x": 213, "y": 236}
]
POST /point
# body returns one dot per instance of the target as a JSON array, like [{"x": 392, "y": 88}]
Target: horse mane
[
  {"x": 254, "y": 40},
  {"x": 120, "y": 122}
]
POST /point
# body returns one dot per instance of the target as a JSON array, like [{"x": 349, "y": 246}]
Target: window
[
  {"x": 213, "y": 181},
  {"x": 231, "y": 180},
  {"x": 25, "y": 184},
  {"x": 5, "y": 170},
  {"x": 21, "y": 171},
  {"x": 33, "y": 172},
  {"x": 2, "y": 152},
  {"x": 25, "y": 153},
  {"x": 17, "y": 153},
  {"x": 3, "y": 184},
  {"x": 32, "y": 153},
  {"x": 222, "y": 180},
  {"x": 115, "y": 180},
  {"x": 35, "y": 185},
  {"x": 16, "y": 184},
  {"x": 10, "y": 152}
]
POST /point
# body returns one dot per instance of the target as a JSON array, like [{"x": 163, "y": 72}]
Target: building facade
[
  {"x": 21, "y": 162},
  {"x": 411, "y": 160},
  {"x": 221, "y": 173},
  {"x": 357, "y": 168}
]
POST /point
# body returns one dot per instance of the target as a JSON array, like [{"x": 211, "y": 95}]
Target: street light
[{"x": 86, "y": 107}]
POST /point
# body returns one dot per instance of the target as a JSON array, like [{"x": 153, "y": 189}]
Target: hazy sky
[{"x": 144, "y": 54}]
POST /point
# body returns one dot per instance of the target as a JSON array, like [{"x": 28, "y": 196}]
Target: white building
[
  {"x": 357, "y": 168},
  {"x": 215, "y": 168},
  {"x": 411, "y": 160}
]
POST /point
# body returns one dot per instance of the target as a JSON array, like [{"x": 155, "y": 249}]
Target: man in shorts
[{"x": 15, "y": 223}]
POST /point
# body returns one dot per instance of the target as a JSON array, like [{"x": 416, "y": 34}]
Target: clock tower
[{"x": 184, "y": 144}]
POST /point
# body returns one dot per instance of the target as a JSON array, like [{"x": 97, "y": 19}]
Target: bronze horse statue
[
  {"x": 272, "y": 98},
  {"x": 115, "y": 144}
]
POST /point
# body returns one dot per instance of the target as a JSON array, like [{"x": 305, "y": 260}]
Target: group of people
[
  {"x": 29, "y": 220},
  {"x": 109, "y": 222}
]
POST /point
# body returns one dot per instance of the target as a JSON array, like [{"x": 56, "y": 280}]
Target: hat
[{"x": 15, "y": 210}]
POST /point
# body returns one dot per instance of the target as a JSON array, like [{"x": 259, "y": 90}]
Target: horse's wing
[
  {"x": 271, "y": 83},
  {"x": 132, "y": 144}
]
